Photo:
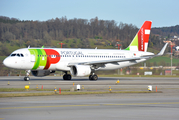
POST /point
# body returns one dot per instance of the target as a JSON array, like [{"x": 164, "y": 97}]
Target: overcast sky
[{"x": 161, "y": 12}]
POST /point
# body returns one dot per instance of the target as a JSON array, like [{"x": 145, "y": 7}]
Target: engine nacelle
[
  {"x": 80, "y": 70},
  {"x": 41, "y": 73}
]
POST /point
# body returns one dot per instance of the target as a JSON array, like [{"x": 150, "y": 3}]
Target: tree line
[
  {"x": 37, "y": 33},
  {"x": 61, "y": 28},
  {"x": 166, "y": 31}
]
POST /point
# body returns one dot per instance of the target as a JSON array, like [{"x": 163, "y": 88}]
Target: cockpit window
[
  {"x": 17, "y": 54},
  {"x": 13, "y": 55}
]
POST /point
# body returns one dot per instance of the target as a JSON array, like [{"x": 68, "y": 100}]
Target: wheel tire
[
  {"x": 64, "y": 77},
  {"x": 68, "y": 77},
  {"x": 95, "y": 77},
  {"x": 26, "y": 78},
  {"x": 90, "y": 77}
]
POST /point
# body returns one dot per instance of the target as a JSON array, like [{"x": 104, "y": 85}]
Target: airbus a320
[{"x": 81, "y": 62}]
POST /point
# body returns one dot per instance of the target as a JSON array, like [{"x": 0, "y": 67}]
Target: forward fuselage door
[{"x": 33, "y": 57}]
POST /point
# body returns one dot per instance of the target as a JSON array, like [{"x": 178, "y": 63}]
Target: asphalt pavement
[{"x": 128, "y": 106}]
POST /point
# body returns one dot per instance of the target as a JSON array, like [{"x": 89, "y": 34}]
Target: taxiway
[{"x": 130, "y": 106}]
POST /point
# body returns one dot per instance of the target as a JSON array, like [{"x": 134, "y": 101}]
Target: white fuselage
[{"x": 32, "y": 59}]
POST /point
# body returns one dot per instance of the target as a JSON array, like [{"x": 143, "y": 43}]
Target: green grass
[
  {"x": 70, "y": 93},
  {"x": 78, "y": 41},
  {"x": 91, "y": 42},
  {"x": 164, "y": 58},
  {"x": 13, "y": 47},
  {"x": 56, "y": 43},
  {"x": 152, "y": 50},
  {"x": 23, "y": 89},
  {"x": 25, "y": 94}
]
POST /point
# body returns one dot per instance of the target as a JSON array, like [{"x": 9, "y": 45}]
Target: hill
[
  {"x": 76, "y": 33},
  {"x": 166, "y": 31}
]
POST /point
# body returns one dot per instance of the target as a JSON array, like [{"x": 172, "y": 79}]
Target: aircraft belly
[{"x": 62, "y": 66}]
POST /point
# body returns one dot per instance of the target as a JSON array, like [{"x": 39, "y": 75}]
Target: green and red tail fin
[{"x": 140, "y": 41}]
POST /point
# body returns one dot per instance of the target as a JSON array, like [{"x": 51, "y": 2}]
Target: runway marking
[
  {"x": 93, "y": 105},
  {"x": 145, "y": 103}
]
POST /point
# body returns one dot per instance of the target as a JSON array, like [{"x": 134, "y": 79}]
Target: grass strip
[
  {"x": 70, "y": 93},
  {"x": 25, "y": 94},
  {"x": 23, "y": 89}
]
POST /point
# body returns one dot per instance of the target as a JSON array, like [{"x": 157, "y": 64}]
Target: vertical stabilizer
[{"x": 140, "y": 41}]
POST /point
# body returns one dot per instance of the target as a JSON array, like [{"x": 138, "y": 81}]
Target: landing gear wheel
[
  {"x": 26, "y": 78},
  {"x": 93, "y": 77},
  {"x": 67, "y": 77},
  {"x": 90, "y": 77}
]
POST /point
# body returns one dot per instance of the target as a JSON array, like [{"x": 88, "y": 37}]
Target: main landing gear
[
  {"x": 27, "y": 78},
  {"x": 93, "y": 77},
  {"x": 66, "y": 76}
]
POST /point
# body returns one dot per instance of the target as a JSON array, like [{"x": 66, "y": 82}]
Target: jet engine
[
  {"x": 41, "y": 73},
  {"x": 80, "y": 70}
]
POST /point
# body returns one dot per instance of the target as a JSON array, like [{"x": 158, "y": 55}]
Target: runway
[
  {"x": 126, "y": 83},
  {"x": 79, "y": 107},
  {"x": 130, "y": 106}
]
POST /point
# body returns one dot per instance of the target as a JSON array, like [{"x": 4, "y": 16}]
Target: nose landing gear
[{"x": 27, "y": 78}]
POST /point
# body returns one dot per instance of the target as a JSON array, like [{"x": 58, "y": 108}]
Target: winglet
[{"x": 163, "y": 50}]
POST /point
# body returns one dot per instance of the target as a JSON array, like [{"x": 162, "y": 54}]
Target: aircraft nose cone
[{"x": 6, "y": 62}]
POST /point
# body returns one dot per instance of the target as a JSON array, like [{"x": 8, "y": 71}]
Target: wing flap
[{"x": 105, "y": 61}]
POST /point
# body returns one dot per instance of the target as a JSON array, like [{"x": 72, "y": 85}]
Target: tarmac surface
[{"x": 128, "y": 106}]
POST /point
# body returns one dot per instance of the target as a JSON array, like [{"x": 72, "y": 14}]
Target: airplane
[{"x": 81, "y": 62}]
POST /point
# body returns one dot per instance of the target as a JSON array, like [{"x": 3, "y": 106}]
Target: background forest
[
  {"x": 38, "y": 33},
  {"x": 75, "y": 33}
]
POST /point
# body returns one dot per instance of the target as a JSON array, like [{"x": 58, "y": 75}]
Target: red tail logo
[{"x": 143, "y": 36}]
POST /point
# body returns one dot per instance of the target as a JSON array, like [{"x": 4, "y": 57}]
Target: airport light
[
  {"x": 118, "y": 45},
  {"x": 61, "y": 44},
  {"x": 171, "y": 57}
]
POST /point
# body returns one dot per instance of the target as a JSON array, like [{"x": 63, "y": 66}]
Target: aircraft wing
[
  {"x": 120, "y": 60},
  {"x": 105, "y": 61}
]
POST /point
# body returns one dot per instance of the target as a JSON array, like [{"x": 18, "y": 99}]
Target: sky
[{"x": 162, "y": 13}]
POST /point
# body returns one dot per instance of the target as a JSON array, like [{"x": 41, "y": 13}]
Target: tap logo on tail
[{"x": 140, "y": 41}]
